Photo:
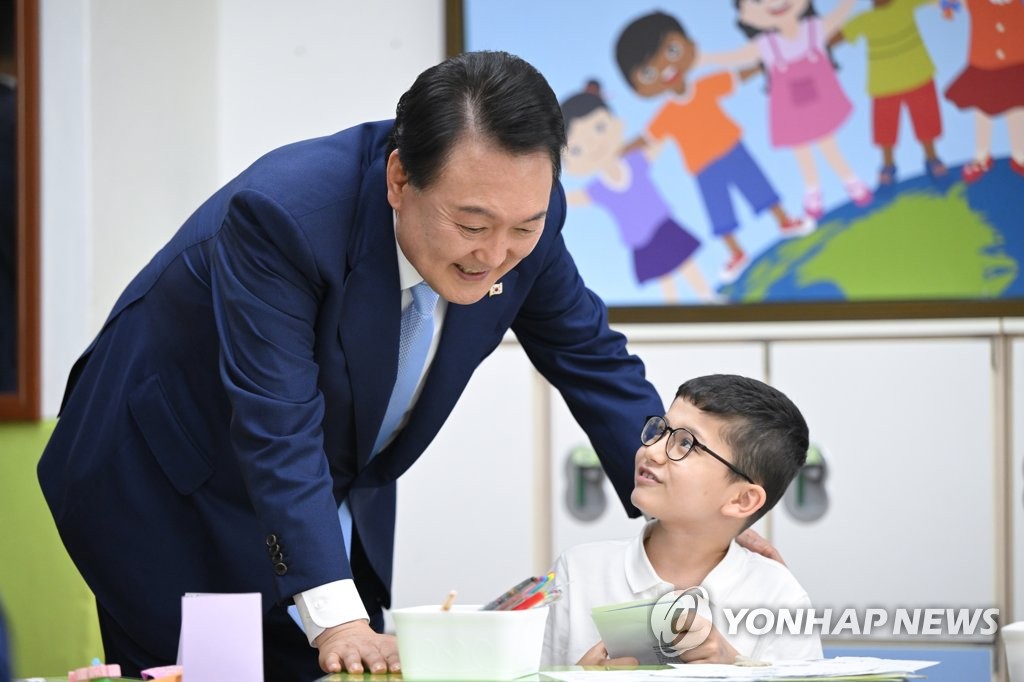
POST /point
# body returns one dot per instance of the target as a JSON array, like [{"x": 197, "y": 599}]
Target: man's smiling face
[{"x": 483, "y": 214}]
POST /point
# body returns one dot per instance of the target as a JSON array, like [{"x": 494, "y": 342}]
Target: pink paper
[
  {"x": 221, "y": 638},
  {"x": 162, "y": 672}
]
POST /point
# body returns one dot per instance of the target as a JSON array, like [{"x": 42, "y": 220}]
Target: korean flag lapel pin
[{"x": 495, "y": 289}]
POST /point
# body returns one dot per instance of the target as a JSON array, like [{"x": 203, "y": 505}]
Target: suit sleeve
[
  {"x": 266, "y": 293},
  {"x": 563, "y": 326}
]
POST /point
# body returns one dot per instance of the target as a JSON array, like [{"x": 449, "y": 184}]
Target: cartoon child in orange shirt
[{"x": 655, "y": 54}]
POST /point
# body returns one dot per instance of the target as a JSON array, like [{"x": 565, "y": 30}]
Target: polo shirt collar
[
  {"x": 722, "y": 580},
  {"x": 640, "y": 573}
]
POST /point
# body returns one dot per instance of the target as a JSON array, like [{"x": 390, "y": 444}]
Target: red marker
[{"x": 530, "y": 601}]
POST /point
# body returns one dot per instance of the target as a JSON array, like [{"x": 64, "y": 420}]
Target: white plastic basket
[{"x": 466, "y": 643}]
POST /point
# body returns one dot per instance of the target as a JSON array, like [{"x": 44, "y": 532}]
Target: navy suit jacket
[{"x": 233, "y": 396}]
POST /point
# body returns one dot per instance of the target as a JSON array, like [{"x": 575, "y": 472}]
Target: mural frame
[
  {"x": 455, "y": 42},
  {"x": 24, "y": 402}
]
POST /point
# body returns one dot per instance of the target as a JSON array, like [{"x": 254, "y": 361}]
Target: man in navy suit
[{"x": 232, "y": 399}]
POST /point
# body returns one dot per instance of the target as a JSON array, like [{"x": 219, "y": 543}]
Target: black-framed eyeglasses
[{"x": 680, "y": 443}]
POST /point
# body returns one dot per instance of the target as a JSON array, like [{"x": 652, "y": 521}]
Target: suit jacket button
[
  {"x": 271, "y": 540},
  {"x": 280, "y": 568}
]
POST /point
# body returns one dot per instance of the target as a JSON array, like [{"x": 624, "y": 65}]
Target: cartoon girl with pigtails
[
  {"x": 622, "y": 185},
  {"x": 807, "y": 104}
]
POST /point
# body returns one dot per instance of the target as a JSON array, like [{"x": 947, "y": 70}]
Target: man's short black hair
[{"x": 495, "y": 95}]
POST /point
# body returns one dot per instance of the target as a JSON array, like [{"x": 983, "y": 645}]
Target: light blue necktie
[
  {"x": 413, "y": 345},
  {"x": 417, "y": 331}
]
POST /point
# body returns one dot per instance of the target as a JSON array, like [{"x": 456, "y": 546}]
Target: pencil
[{"x": 447, "y": 605}]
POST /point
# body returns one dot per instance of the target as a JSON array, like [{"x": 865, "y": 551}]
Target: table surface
[
  {"x": 364, "y": 677},
  {"x": 397, "y": 677}
]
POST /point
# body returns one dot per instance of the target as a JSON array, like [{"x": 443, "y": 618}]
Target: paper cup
[{"x": 1013, "y": 644}]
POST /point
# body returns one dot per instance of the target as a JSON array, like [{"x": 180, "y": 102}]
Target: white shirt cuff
[{"x": 329, "y": 605}]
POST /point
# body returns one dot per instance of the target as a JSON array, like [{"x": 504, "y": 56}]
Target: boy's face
[
  {"x": 694, "y": 489},
  {"x": 666, "y": 70}
]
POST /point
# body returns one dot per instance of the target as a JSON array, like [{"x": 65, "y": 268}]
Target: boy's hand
[
  {"x": 598, "y": 655},
  {"x": 749, "y": 539},
  {"x": 714, "y": 649}
]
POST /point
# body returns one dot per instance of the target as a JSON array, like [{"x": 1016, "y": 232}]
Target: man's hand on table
[{"x": 354, "y": 647}]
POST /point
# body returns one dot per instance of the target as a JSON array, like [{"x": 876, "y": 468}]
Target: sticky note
[{"x": 221, "y": 637}]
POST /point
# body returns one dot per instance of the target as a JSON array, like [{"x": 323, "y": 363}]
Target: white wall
[
  {"x": 65, "y": 204},
  {"x": 148, "y": 106},
  {"x": 292, "y": 70},
  {"x": 153, "y": 98}
]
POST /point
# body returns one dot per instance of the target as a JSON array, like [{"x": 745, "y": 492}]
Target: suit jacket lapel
[
  {"x": 466, "y": 328},
  {"x": 369, "y": 328}
]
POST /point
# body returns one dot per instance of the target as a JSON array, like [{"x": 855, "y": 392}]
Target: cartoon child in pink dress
[
  {"x": 807, "y": 104},
  {"x": 993, "y": 82},
  {"x": 622, "y": 185}
]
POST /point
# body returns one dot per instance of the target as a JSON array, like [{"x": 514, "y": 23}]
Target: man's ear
[
  {"x": 397, "y": 180},
  {"x": 745, "y": 501}
]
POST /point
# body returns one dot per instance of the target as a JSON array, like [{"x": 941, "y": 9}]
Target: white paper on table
[
  {"x": 843, "y": 666},
  {"x": 840, "y": 668},
  {"x": 601, "y": 675}
]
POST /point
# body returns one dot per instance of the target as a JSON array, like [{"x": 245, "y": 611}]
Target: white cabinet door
[
  {"x": 907, "y": 430},
  {"x": 1016, "y": 427},
  {"x": 668, "y": 365},
  {"x": 466, "y": 507}
]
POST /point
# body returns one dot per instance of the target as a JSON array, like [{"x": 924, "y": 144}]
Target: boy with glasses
[{"x": 720, "y": 458}]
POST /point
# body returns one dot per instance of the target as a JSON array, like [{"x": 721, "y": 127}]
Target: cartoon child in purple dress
[{"x": 622, "y": 186}]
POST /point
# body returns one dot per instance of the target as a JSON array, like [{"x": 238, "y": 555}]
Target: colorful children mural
[{"x": 755, "y": 151}]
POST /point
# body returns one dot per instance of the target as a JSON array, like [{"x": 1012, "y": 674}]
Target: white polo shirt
[{"x": 616, "y": 571}]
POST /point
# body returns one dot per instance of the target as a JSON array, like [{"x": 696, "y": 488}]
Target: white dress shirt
[{"x": 339, "y": 602}]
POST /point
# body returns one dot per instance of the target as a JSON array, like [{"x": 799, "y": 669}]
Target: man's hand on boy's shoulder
[{"x": 750, "y": 539}]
